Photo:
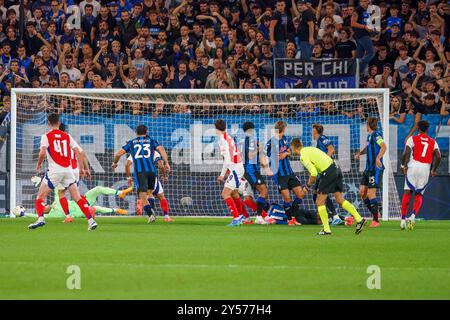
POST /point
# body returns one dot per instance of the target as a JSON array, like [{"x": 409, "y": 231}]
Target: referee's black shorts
[
  {"x": 145, "y": 181},
  {"x": 331, "y": 180}
]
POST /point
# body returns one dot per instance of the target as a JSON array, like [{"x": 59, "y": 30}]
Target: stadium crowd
[{"x": 222, "y": 44}]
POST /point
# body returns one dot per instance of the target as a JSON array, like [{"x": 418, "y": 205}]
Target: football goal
[{"x": 102, "y": 120}]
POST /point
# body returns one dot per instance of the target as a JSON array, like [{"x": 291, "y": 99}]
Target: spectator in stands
[
  {"x": 361, "y": 29},
  {"x": 278, "y": 30},
  {"x": 345, "y": 48},
  {"x": 385, "y": 80},
  {"x": 66, "y": 64},
  {"x": 149, "y": 42},
  {"x": 180, "y": 79},
  {"x": 306, "y": 28},
  {"x": 33, "y": 43},
  {"x": 398, "y": 109}
]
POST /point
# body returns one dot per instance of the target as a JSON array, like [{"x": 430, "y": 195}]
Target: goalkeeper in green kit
[{"x": 91, "y": 197}]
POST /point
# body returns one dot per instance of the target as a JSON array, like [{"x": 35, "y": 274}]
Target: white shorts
[
  {"x": 76, "y": 173},
  {"x": 235, "y": 178},
  {"x": 158, "y": 188},
  {"x": 59, "y": 180},
  {"x": 245, "y": 189},
  {"x": 417, "y": 179}
]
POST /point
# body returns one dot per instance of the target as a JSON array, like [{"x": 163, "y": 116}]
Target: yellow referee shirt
[{"x": 315, "y": 160}]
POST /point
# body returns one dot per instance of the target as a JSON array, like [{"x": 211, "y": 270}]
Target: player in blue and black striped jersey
[
  {"x": 142, "y": 149},
  {"x": 373, "y": 172},
  {"x": 253, "y": 160},
  {"x": 324, "y": 144},
  {"x": 278, "y": 151}
]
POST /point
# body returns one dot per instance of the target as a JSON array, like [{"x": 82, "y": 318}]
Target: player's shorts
[
  {"x": 76, "y": 173},
  {"x": 245, "y": 189},
  {"x": 331, "y": 180},
  {"x": 288, "y": 182},
  {"x": 145, "y": 181},
  {"x": 254, "y": 178},
  {"x": 416, "y": 179},
  {"x": 59, "y": 180},
  {"x": 234, "y": 179},
  {"x": 159, "y": 188},
  {"x": 372, "y": 178}
]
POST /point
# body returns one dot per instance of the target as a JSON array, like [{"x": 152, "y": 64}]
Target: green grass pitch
[{"x": 202, "y": 258}]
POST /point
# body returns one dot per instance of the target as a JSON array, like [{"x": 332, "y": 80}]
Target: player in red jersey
[
  {"x": 56, "y": 146},
  {"x": 232, "y": 164},
  {"x": 76, "y": 173},
  {"x": 421, "y": 154}
]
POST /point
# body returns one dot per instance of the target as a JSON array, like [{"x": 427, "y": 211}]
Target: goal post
[{"x": 101, "y": 120}]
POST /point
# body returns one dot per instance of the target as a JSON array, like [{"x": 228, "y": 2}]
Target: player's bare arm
[
  {"x": 309, "y": 184},
  {"x": 87, "y": 169},
  {"x": 128, "y": 172},
  {"x": 81, "y": 159},
  {"x": 436, "y": 161},
  {"x": 361, "y": 152},
  {"x": 380, "y": 154},
  {"x": 117, "y": 157},
  {"x": 163, "y": 172},
  {"x": 164, "y": 156},
  {"x": 330, "y": 150},
  {"x": 405, "y": 159},
  {"x": 41, "y": 158},
  {"x": 285, "y": 154}
]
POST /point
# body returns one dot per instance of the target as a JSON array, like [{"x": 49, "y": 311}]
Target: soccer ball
[{"x": 19, "y": 211}]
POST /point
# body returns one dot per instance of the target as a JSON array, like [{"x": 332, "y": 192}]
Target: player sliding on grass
[
  {"x": 331, "y": 181},
  {"x": 373, "y": 173},
  {"x": 142, "y": 149},
  {"x": 56, "y": 145},
  {"x": 158, "y": 192},
  {"x": 324, "y": 144},
  {"x": 425, "y": 156},
  {"x": 277, "y": 149},
  {"x": 233, "y": 167},
  {"x": 91, "y": 197},
  {"x": 253, "y": 158}
]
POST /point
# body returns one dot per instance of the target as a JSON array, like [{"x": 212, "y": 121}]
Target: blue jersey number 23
[{"x": 139, "y": 148}]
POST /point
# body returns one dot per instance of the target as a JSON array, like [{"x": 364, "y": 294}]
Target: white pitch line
[{"x": 224, "y": 266}]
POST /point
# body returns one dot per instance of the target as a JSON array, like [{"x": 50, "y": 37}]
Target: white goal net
[{"x": 101, "y": 121}]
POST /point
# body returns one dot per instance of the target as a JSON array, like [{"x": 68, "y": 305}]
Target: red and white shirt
[
  {"x": 59, "y": 146},
  {"x": 422, "y": 147},
  {"x": 232, "y": 159}
]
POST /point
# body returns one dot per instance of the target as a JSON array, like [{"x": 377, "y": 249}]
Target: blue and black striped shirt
[
  {"x": 322, "y": 143},
  {"x": 251, "y": 160},
  {"x": 142, "y": 150},
  {"x": 373, "y": 148},
  {"x": 274, "y": 148}
]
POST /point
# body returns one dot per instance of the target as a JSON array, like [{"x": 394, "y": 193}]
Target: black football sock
[
  {"x": 374, "y": 209},
  {"x": 331, "y": 208}
]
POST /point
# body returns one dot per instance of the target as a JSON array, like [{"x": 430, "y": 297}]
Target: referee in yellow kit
[{"x": 316, "y": 161}]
